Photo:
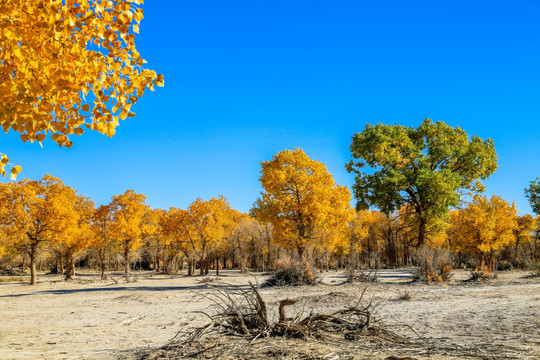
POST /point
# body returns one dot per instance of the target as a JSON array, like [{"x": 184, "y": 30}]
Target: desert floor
[{"x": 87, "y": 318}]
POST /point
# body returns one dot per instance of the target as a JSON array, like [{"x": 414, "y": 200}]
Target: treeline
[
  {"x": 47, "y": 224},
  {"x": 418, "y": 180}
]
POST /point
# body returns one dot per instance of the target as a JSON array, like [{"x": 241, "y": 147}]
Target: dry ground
[{"x": 91, "y": 319}]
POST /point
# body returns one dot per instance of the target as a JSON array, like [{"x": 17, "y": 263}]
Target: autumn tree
[
  {"x": 102, "y": 236},
  {"x": 525, "y": 226},
  {"x": 68, "y": 66},
  {"x": 365, "y": 235},
  {"x": 80, "y": 236},
  {"x": 206, "y": 226},
  {"x": 161, "y": 247},
  {"x": 484, "y": 228},
  {"x": 299, "y": 199},
  {"x": 35, "y": 213},
  {"x": 533, "y": 195},
  {"x": 175, "y": 225},
  {"x": 200, "y": 230},
  {"x": 128, "y": 211},
  {"x": 250, "y": 243},
  {"x": 427, "y": 168}
]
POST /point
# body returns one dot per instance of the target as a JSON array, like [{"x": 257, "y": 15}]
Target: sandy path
[{"x": 91, "y": 319}]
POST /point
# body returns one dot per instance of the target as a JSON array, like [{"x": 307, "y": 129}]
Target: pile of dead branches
[{"x": 243, "y": 312}]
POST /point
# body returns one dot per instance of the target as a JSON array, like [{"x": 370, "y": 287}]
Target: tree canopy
[
  {"x": 69, "y": 65},
  {"x": 300, "y": 199},
  {"x": 484, "y": 227},
  {"x": 427, "y": 168},
  {"x": 35, "y": 212},
  {"x": 533, "y": 195}
]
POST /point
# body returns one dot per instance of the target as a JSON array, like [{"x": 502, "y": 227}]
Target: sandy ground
[{"x": 91, "y": 319}]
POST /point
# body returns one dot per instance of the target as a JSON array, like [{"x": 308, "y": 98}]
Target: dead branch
[{"x": 282, "y": 305}]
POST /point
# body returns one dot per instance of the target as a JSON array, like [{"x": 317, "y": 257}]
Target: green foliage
[
  {"x": 533, "y": 195},
  {"x": 428, "y": 168}
]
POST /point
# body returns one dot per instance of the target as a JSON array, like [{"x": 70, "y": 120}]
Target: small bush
[
  {"x": 293, "y": 274},
  {"x": 406, "y": 296},
  {"x": 433, "y": 265},
  {"x": 481, "y": 274}
]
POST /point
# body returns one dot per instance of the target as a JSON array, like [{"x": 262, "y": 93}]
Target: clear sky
[{"x": 247, "y": 79}]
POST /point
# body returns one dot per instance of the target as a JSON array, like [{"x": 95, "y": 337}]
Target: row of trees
[{"x": 301, "y": 213}]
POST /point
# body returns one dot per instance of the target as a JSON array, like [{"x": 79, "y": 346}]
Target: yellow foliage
[
  {"x": 302, "y": 201},
  {"x": 128, "y": 211},
  {"x": 67, "y": 66},
  {"x": 365, "y": 229},
  {"x": 35, "y": 212},
  {"x": 201, "y": 228},
  {"x": 484, "y": 227}
]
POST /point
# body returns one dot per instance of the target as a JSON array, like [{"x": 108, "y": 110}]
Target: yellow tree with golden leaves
[
  {"x": 102, "y": 236},
  {"x": 364, "y": 234},
  {"x": 80, "y": 237},
  {"x": 484, "y": 228},
  {"x": 523, "y": 231},
  {"x": 299, "y": 199},
  {"x": 206, "y": 226},
  {"x": 128, "y": 211},
  {"x": 174, "y": 226},
  {"x": 35, "y": 213},
  {"x": 69, "y": 65}
]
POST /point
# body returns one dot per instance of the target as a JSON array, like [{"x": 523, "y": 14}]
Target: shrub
[
  {"x": 293, "y": 274},
  {"x": 481, "y": 273},
  {"x": 434, "y": 265}
]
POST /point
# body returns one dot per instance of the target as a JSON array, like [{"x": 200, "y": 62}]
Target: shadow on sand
[{"x": 124, "y": 288}]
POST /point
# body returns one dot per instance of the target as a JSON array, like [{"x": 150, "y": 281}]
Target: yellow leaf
[
  {"x": 159, "y": 80},
  {"x": 14, "y": 172}
]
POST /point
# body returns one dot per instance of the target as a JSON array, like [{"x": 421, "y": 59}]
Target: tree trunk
[
  {"x": 126, "y": 260},
  {"x": 33, "y": 256},
  {"x": 422, "y": 233},
  {"x": 102, "y": 264},
  {"x": 70, "y": 267},
  {"x": 60, "y": 267},
  {"x": 301, "y": 252}
]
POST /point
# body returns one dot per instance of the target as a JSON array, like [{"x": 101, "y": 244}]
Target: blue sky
[{"x": 246, "y": 79}]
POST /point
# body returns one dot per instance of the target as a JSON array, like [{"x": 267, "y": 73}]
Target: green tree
[
  {"x": 533, "y": 195},
  {"x": 428, "y": 169}
]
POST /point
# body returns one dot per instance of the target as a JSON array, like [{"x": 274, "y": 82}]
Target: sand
[{"x": 92, "y": 319}]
